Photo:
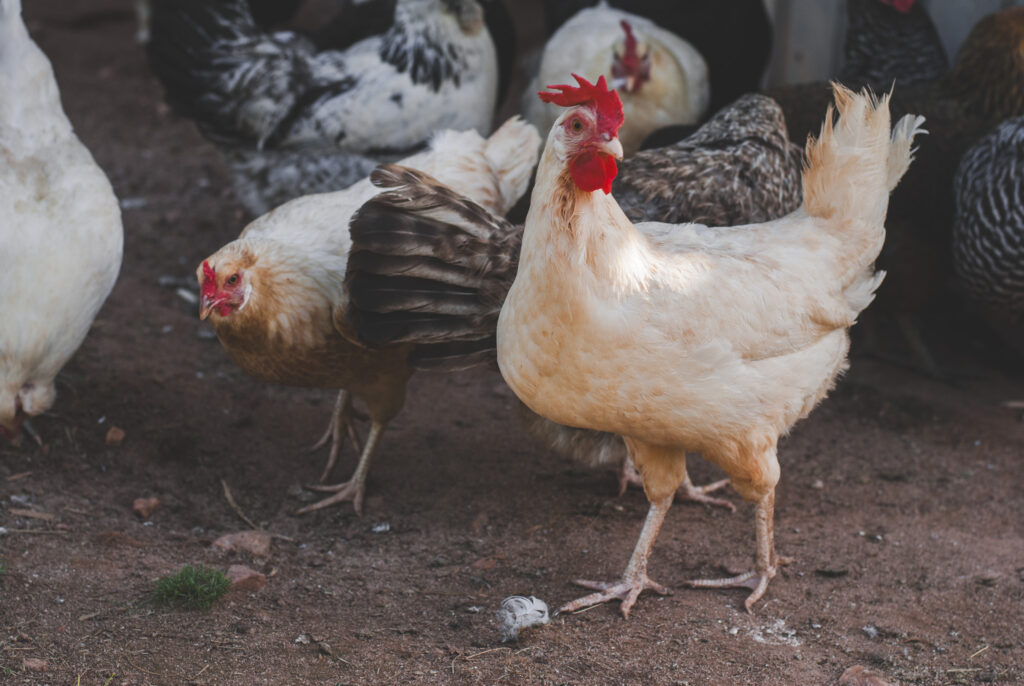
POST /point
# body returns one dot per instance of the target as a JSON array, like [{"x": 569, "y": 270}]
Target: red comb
[
  {"x": 606, "y": 102},
  {"x": 903, "y": 6},
  {"x": 630, "y": 40},
  {"x": 209, "y": 287}
]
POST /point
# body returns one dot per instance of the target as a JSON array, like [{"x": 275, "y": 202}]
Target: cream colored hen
[
  {"x": 61, "y": 236},
  {"x": 276, "y": 294},
  {"x": 689, "y": 338},
  {"x": 662, "y": 79}
]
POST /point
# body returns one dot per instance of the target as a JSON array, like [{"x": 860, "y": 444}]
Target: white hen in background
[
  {"x": 661, "y": 78},
  {"x": 60, "y": 229}
]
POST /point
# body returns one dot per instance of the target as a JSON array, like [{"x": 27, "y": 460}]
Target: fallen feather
[{"x": 519, "y": 612}]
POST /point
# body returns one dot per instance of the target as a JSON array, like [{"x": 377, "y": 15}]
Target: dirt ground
[{"x": 900, "y": 497}]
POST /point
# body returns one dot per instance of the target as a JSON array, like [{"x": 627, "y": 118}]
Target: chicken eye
[
  {"x": 232, "y": 280},
  {"x": 576, "y": 125}
]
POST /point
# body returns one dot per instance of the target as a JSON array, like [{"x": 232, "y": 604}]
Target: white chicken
[
  {"x": 60, "y": 228},
  {"x": 661, "y": 78}
]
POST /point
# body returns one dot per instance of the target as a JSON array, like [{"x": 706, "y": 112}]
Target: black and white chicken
[
  {"x": 988, "y": 231},
  {"x": 293, "y": 119}
]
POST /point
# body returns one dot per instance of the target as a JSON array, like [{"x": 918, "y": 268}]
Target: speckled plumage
[
  {"x": 379, "y": 100},
  {"x": 885, "y": 45},
  {"x": 738, "y": 168},
  {"x": 988, "y": 233}
]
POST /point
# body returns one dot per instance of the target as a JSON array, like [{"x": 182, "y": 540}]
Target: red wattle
[{"x": 593, "y": 171}]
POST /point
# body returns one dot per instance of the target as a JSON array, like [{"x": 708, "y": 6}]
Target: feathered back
[
  {"x": 738, "y": 168},
  {"x": 429, "y": 266}
]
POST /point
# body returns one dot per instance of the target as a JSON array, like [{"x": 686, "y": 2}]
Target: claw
[
  {"x": 342, "y": 492},
  {"x": 627, "y": 591}
]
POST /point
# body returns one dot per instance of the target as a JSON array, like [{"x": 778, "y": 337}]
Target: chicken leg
[
  {"x": 687, "y": 492},
  {"x": 353, "y": 488},
  {"x": 634, "y": 579},
  {"x": 766, "y": 564},
  {"x": 341, "y": 420}
]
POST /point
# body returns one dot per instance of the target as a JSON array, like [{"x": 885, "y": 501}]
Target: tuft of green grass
[{"x": 191, "y": 588}]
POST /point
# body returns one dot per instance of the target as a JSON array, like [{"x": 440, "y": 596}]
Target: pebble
[
  {"x": 34, "y": 664},
  {"x": 115, "y": 437},
  {"x": 245, "y": 579},
  {"x": 254, "y": 541},
  {"x": 859, "y": 675},
  {"x": 144, "y": 507}
]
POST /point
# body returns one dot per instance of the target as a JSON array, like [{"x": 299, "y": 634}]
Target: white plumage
[
  {"x": 677, "y": 91},
  {"x": 60, "y": 228}
]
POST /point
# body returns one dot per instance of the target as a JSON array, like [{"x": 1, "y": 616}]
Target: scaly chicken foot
[
  {"x": 634, "y": 579},
  {"x": 766, "y": 564},
  {"x": 341, "y": 419},
  {"x": 354, "y": 488},
  {"x": 687, "y": 492}
]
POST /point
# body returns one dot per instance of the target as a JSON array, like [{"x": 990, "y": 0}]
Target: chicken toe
[
  {"x": 767, "y": 563},
  {"x": 627, "y": 590},
  {"x": 634, "y": 579},
  {"x": 354, "y": 488}
]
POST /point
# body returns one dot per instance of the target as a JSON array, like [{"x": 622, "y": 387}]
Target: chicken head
[
  {"x": 223, "y": 293},
  {"x": 586, "y": 136},
  {"x": 630, "y": 69}
]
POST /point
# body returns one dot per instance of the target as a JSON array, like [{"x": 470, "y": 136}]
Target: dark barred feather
[
  {"x": 430, "y": 267},
  {"x": 988, "y": 233}
]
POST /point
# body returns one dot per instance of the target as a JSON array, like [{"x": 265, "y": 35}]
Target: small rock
[
  {"x": 870, "y": 630},
  {"x": 34, "y": 664},
  {"x": 818, "y": 484},
  {"x": 859, "y": 675},
  {"x": 115, "y": 437},
  {"x": 144, "y": 507},
  {"x": 256, "y": 542},
  {"x": 246, "y": 579},
  {"x": 302, "y": 639},
  {"x": 381, "y": 528}
]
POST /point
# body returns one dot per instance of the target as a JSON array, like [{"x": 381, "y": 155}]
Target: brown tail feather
[{"x": 429, "y": 267}]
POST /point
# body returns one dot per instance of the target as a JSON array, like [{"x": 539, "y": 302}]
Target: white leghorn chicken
[
  {"x": 689, "y": 338},
  {"x": 276, "y": 294},
  {"x": 662, "y": 79},
  {"x": 60, "y": 228}
]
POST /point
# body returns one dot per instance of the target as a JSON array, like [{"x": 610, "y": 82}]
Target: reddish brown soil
[{"x": 900, "y": 497}]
